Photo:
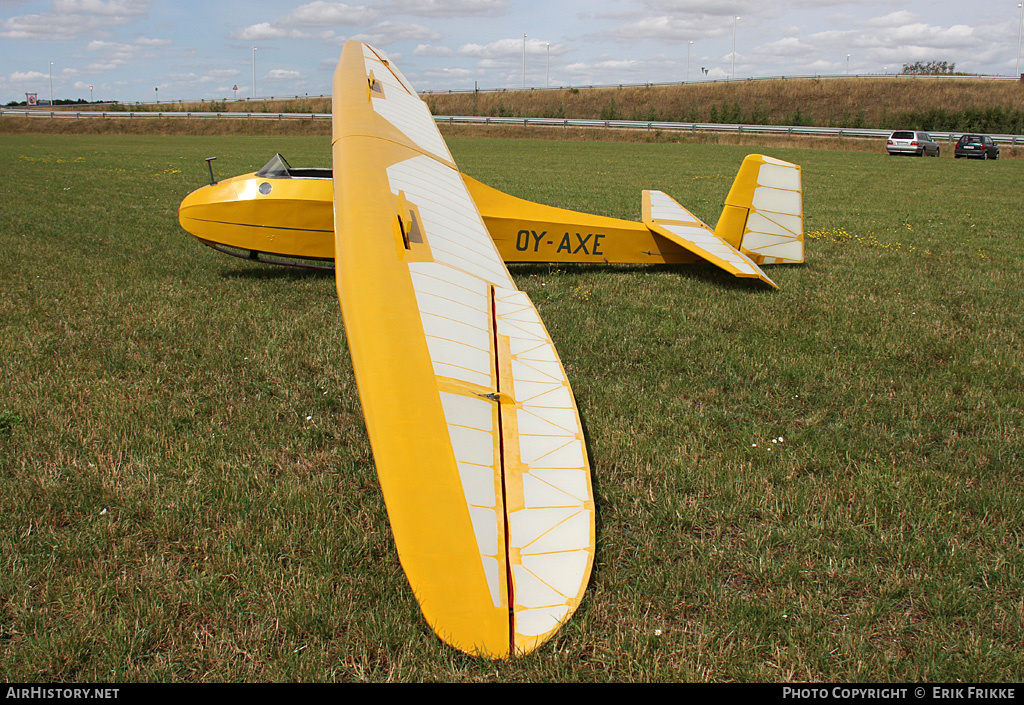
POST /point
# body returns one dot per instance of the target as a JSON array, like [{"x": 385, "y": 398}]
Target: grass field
[{"x": 819, "y": 483}]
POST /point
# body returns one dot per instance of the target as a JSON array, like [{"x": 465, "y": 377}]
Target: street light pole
[
  {"x": 734, "y": 47},
  {"x": 524, "y": 61},
  {"x": 254, "y": 73},
  {"x": 1020, "y": 26}
]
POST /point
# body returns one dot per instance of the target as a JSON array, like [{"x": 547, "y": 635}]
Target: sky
[{"x": 146, "y": 50}]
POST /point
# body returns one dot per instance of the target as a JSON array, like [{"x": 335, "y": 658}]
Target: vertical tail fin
[{"x": 763, "y": 216}]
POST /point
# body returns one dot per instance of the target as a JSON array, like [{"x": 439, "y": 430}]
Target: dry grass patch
[
  {"x": 163, "y": 126},
  {"x": 853, "y": 102}
]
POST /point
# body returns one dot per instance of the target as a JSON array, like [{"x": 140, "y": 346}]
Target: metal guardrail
[
  {"x": 154, "y": 114},
  {"x": 524, "y": 121},
  {"x": 708, "y": 127}
]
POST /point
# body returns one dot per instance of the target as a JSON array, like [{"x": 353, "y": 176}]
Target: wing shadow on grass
[
  {"x": 264, "y": 272},
  {"x": 700, "y": 272}
]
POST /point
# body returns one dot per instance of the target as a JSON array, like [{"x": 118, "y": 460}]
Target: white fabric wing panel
[
  {"x": 457, "y": 235},
  {"x": 549, "y": 536},
  {"x": 704, "y": 242},
  {"x": 775, "y": 223},
  {"x": 398, "y": 103}
]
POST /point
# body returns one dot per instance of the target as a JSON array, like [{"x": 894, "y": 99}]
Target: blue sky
[{"x": 139, "y": 50}]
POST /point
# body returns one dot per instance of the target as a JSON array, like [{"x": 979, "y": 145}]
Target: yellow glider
[
  {"x": 475, "y": 432},
  {"x": 286, "y": 212}
]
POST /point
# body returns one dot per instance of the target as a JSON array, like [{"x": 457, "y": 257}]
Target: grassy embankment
[
  {"x": 820, "y": 483},
  {"x": 893, "y": 103}
]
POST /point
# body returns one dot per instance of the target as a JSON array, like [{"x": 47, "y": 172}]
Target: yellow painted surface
[
  {"x": 763, "y": 213},
  {"x": 397, "y": 388},
  {"x": 295, "y": 218},
  {"x": 449, "y": 359},
  {"x": 524, "y": 231}
]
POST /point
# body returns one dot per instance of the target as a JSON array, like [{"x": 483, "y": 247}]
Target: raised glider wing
[
  {"x": 475, "y": 432},
  {"x": 284, "y": 212}
]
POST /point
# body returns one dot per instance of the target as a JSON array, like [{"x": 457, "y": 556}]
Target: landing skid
[{"x": 326, "y": 265}]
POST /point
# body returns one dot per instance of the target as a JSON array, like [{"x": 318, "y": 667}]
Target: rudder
[{"x": 763, "y": 214}]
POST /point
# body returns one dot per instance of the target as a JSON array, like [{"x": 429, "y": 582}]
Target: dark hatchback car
[
  {"x": 976, "y": 147},
  {"x": 910, "y": 142}
]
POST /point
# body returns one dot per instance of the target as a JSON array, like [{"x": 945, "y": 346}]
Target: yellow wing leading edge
[{"x": 475, "y": 432}]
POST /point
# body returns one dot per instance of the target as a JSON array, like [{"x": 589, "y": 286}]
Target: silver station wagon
[{"x": 916, "y": 143}]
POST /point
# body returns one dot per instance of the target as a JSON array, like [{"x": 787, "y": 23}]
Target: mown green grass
[{"x": 188, "y": 490}]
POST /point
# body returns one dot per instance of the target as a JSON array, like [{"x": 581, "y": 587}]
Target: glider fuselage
[
  {"x": 284, "y": 212},
  {"x": 292, "y": 216}
]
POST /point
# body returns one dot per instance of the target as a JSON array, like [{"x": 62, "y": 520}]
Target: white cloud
[
  {"x": 893, "y": 19},
  {"x": 109, "y": 65},
  {"x": 283, "y": 75},
  {"x": 446, "y": 8},
  {"x": 73, "y": 18},
  {"x": 450, "y": 73},
  {"x": 923, "y": 35},
  {"x": 580, "y": 68},
  {"x": 319, "y": 14},
  {"x": 664, "y": 28},
  {"x": 100, "y": 45},
  {"x": 265, "y": 30},
  {"x": 27, "y": 77},
  {"x": 507, "y": 48},
  {"x": 700, "y": 7},
  {"x": 431, "y": 50},
  {"x": 109, "y": 8},
  {"x": 875, "y": 44},
  {"x": 389, "y": 32},
  {"x": 56, "y": 27},
  {"x": 223, "y": 73},
  {"x": 314, "y": 15}
]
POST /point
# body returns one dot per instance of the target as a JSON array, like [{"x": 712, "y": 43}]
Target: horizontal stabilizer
[{"x": 669, "y": 219}]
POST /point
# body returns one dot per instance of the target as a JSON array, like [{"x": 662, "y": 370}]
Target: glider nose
[{"x": 200, "y": 211}]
